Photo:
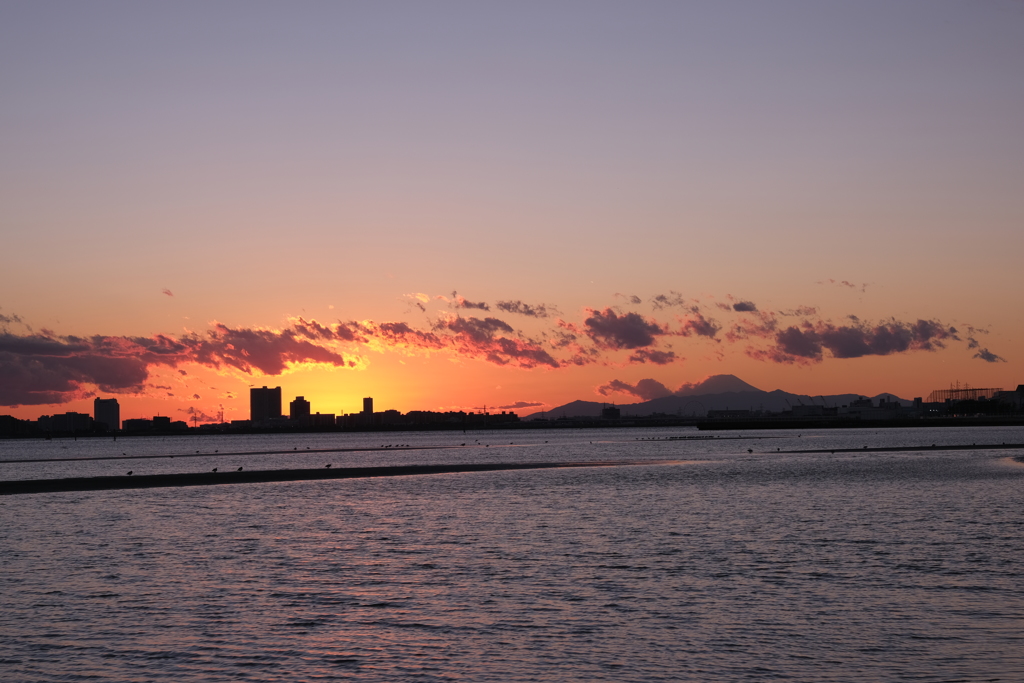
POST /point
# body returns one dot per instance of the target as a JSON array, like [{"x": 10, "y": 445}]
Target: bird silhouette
[
  {"x": 214, "y": 469},
  {"x": 129, "y": 473},
  {"x": 328, "y": 465},
  {"x": 239, "y": 469}
]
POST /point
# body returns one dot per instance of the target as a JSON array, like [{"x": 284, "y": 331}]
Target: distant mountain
[
  {"x": 719, "y": 392},
  {"x": 716, "y": 384}
]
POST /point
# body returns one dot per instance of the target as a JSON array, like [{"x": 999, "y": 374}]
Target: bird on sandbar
[
  {"x": 214, "y": 469},
  {"x": 239, "y": 469},
  {"x": 129, "y": 473}
]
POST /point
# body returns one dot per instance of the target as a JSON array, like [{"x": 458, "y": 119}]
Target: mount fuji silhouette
[{"x": 718, "y": 392}]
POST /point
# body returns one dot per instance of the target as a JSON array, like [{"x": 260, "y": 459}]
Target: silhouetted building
[
  {"x": 299, "y": 410},
  {"x": 107, "y": 411},
  {"x": 368, "y": 406},
  {"x": 321, "y": 420},
  {"x": 264, "y": 403},
  {"x": 610, "y": 413},
  {"x": 66, "y": 423},
  {"x": 138, "y": 424},
  {"x": 12, "y": 426}
]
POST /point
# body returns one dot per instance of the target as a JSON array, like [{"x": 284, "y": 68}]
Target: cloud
[
  {"x": 520, "y": 404},
  {"x": 988, "y": 356},
  {"x": 41, "y": 368},
  {"x": 801, "y": 311},
  {"x": 628, "y": 331},
  {"x": 167, "y": 292},
  {"x": 645, "y": 389},
  {"x": 488, "y": 339},
  {"x": 475, "y": 329},
  {"x": 844, "y": 283},
  {"x": 269, "y": 352},
  {"x": 38, "y": 367},
  {"x": 697, "y": 324},
  {"x": 671, "y": 300},
  {"x": 656, "y": 357},
  {"x": 808, "y": 342},
  {"x": 461, "y": 302},
  {"x": 533, "y": 311}
]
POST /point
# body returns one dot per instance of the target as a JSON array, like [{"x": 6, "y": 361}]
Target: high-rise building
[
  {"x": 299, "y": 409},
  {"x": 264, "y": 403},
  {"x": 107, "y": 411},
  {"x": 368, "y": 406}
]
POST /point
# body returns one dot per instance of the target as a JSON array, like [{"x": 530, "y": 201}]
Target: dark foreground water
[{"x": 723, "y": 566}]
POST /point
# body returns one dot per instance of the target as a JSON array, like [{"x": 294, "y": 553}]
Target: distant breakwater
[{"x": 122, "y": 482}]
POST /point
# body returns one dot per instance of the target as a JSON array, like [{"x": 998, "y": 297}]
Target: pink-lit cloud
[
  {"x": 532, "y": 311},
  {"x": 988, "y": 356},
  {"x": 610, "y": 330},
  {"x": 697, "y": 324},
  {"x": 38, "y": 367},
  {"x": 809, "y": 341},
  {"x": 645, "y": 389},
  {"x": 518, "y": 405},
  {"x": 653, "y": 356}
]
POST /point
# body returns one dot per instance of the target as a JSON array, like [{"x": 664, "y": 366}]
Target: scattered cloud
[
  {"x": 41, "y": 367},
  {"x": 671, "y": 300},
  {"x": 656, "y": 357},
  {"x": 808, "y": 342},
  {"x": 521, "y": 404},
  {"x": 645, "y": 389},
  {"x": 628, "y": 331},
  {"x": 533, "y": 311},
  {"x": 44, "y": 368},
  {"x": 844, "y": 283},
  {"x": 697, "y": 324},
  {"x": 461, "y": 302},
  {"x": 167, "y": 292},
  {"x": 988, "y": 356}
]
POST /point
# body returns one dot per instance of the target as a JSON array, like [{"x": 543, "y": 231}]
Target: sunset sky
[{"x": 447, "y": 205}]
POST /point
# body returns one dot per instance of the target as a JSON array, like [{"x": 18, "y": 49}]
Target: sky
[{"x": 510, "y": 206}]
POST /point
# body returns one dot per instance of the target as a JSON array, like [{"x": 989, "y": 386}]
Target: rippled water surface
[{"x": 724, "y": 565}]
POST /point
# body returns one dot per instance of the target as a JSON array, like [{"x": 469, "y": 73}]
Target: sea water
[{"x": 720, "y": 559}]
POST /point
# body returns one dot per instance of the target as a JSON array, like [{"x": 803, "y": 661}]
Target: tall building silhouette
[
  {"x": 107, "y": 411},
  {"x": 368, "y": 406},
  {"x": 264, "y": 403},
  {"x": 299, "y": 409}
]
